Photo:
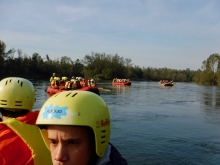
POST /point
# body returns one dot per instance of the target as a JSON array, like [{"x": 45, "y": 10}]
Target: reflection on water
[
  {"x": 211, "y": 103},
  {"x": 166, "y": 87},
  {"x": 152, "y": 124},
  {"x": 120, "y": 89},
  {"x": 211, "y": 96}
]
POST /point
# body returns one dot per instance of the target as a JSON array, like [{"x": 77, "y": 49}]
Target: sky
[{"x": 176, "y": 34}]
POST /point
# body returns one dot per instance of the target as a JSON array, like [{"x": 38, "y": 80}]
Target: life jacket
[
  {"x": 78, "y": 85},
  {"x": 93, "y": 84},
  {"x": 52, "y": 78},
  {"x": 57, "y": 83},
  {"x": 82, "y": 83},
  {"x": 88, "y": 83},
  {"x": 53, "y": 83},
  {"x": 31, "y": 136},
  {"x": 74, "y": 84},
  {"x": 67, "y": 84},
  {"x": 62, "y": 83},
  {"x": 70, "y": 85}
]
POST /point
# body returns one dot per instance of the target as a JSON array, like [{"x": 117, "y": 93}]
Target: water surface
[{"x": 157, "y": 125}]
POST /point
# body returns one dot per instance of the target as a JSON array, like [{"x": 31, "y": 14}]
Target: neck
[{"x": 4, "y": 118}]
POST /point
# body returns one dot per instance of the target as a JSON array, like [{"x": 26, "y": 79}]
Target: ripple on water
[{"x": 162, "y": 126}]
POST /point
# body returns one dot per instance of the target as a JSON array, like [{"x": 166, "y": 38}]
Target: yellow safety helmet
[
  {"x": 16, "y": 93},
  {"x": 78, "y": 108},
  {"x": 58, "y": 78}
]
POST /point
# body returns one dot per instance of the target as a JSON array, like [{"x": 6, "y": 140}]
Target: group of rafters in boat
[
  {"x": 166, "y": 83},
  {"x": 117, "y": 81},
  {"x": 74, "y": 83}
]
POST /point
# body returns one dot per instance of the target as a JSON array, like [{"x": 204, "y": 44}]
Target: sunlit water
[{"x": 151, "y": 124}]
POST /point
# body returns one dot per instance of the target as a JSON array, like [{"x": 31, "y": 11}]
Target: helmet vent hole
[
  {"x": 21, "y": 84},
  {"x": 74, "y": 94},
  {"x": 103, "y": 131},
  {"x": 3, "y": 102},
  {"x": 6, "y": 82},
  {"x": 68, "y": 94},
  {"x": 103, "y": 136},
  {"x": 56, "y": 95},
  {"x": 18, "y": 103}
]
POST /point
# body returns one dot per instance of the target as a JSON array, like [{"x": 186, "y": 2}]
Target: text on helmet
[
  {"x": 102, "y": 123},
  {"x": 52, "y": 111}
]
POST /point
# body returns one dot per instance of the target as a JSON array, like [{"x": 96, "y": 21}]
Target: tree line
[
  {"x": 100, "y": 66},
  {"x": 209, "y": 73}
]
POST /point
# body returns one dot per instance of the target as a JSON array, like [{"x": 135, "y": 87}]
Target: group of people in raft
[
  {"x": 120, "y": 80},
  {"x": 166, "y": 82},
  {"x": 73, "y": 83},
  {"x": 72, "y": 127}
]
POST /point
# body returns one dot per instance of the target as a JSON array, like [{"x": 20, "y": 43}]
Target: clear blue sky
[{"x": 176, "y": 34}]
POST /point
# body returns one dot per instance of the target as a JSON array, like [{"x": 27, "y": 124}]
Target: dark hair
[
  {"x": 13, "y": 114},
  {"x": 92, "y": 140}
]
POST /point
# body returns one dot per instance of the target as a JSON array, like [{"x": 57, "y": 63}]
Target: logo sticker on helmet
[
  {"x": 51, "y": 112},
  {"x": 102, "y": 123}
]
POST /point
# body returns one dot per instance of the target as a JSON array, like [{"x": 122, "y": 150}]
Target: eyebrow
[{"x": 69, "y": 139}]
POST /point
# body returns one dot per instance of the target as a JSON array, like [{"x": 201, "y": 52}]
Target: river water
[{"x": 155, "y": 125}]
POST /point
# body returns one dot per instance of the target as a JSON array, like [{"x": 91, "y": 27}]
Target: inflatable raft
[{"x": 56, "y": 90}]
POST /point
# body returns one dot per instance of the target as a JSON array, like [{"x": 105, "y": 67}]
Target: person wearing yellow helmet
[
  {"x": 55, "y": 82},
  {"x": 92, "y": 83},
  {"x": 20, "y": 139},
  {"x": 62, "y": 83},
  {"x": 52, "y": 77},
  {"x": 78, "y": 129}
]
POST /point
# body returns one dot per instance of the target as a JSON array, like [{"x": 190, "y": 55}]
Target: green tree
[
  {"x": 2, "y": 54},
  {"x": 77, "y": 69},
  {"x": 210, "y": 71},
  {"x": 2, "y": 48}
]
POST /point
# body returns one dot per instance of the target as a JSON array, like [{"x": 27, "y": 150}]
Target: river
[{"x": 155, "y": 125}]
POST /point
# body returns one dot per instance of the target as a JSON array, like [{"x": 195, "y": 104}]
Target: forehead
[{"x": 67, "y": 130}]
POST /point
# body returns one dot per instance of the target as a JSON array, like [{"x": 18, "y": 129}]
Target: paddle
[{"x": 102, "y": 89}]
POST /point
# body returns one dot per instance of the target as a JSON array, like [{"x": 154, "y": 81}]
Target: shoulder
[
  {"x": 29, "y": 118},
  {"x": 115, "y": 157},
  {"x": 4, "y": 131}
]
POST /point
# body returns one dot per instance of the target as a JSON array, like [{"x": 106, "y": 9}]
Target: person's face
[{"x": 70, "y": 145}]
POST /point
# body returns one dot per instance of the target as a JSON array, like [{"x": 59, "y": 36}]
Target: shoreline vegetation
[{"x": 101, "y": 66}]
